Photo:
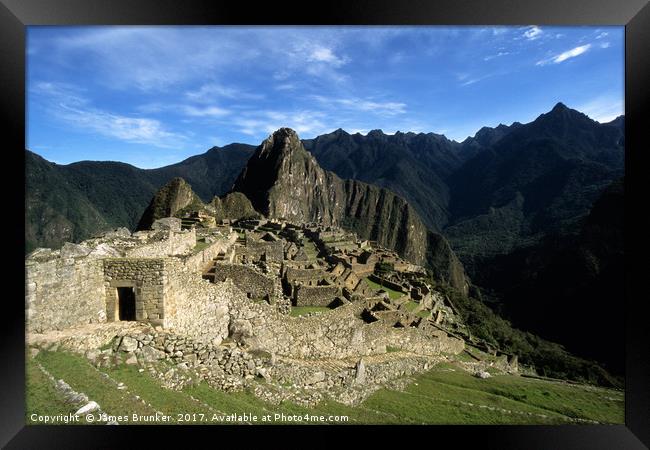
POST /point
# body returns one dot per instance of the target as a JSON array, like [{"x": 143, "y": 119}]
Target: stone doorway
[{"x": 126, "y": 303}]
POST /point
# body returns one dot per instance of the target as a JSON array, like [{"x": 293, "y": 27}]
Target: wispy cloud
[
  {"x": 157, "y": 58},
  {"x": 208, "y": 92},
  {"x": 366, "y": 105},
  {"x": 67, "y": 104},
  {"x": 497, "y": 55},
  {"x": 326, "y": 55},
  {"x": 208, "y": 111},
  {"x": 532, "y": 33},
  {"x": 285, "y": 87},
  {"x": 261, "y": 123},
  {"x": 604, "y": 108},
  {"x": 466, "y": 79},
  {"x": 577, "y": 51},
  {"x": 128, "y": 129}
]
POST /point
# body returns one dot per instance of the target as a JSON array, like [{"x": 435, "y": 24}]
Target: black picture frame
[{"x": 15, "y": 15}]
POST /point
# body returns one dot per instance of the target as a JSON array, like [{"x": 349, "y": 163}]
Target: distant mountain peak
[
  {"x": 562, "y": 114},
  {"x": 284, "y": 133},
  {"x": 559, "y": 106},
  {"x": 282, "y": 142}
]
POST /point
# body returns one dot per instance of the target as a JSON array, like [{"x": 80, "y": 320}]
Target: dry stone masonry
[{"x": 215, "y": 302}]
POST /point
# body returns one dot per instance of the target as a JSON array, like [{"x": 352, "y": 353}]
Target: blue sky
[{"x": 152, "y": 96}]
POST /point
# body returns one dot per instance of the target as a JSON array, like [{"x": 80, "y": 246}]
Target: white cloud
[
  {"x": 129, "y": 129},
  {"x": 260, "y": 123},
  {"x": 381, "y": 108},
  {"x": 207, "y": 92},
  {"x": 366, "y": 105},
  {"x": 62, "y": 92},
  {"x": 489, "y": 57},
  {"x": 604, "y": 108},
  {"x": 285, "y": 87},
  {"x": 602, "y": 35},
  {"x": 157, "y": 58},
  {"x": 208, "y": 111},
  {"x": 571, "y": 53},
  {"x": 533, "y": 33},
  {"x": 323, "y": 54},
  {"x": 577, "y": 51},
  {"x": 467, "y": 80},
  {"x": 66, "y": 103},
  {"x": 604, "y": 45}
]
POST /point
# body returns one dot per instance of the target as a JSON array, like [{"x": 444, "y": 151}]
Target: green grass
[
  {"x": 526, "y": 394},
  {"x": 163, "y": 400},
  {"x": 411, "y": 305},
  {"x": 444, "y": 395},
  {"x": 463, "y": 356},
  {"x": 83, "y": 377},
  {"x": 41, "y": 398},
  {"x": 310, "y": 249},
  {"x": 302, "y": 310},
  {"x": 391, "y": 293},
  {"x": 200, "y": 245}
]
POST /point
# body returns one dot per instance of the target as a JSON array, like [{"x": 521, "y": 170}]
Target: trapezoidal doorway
[{"x": 126, "y": 303}]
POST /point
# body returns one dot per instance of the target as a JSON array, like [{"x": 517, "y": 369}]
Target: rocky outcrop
[
  {"x": 233, "y": 206},
  {"x": 168, "y": 201},
  {"x": 283, "y": 180}
]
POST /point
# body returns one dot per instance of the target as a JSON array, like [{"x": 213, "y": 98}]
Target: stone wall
[
  {"x": 339, "y": 333},
  {"x": 170, "y": 243},
  {"x": 387, "y": 283},
  {"x": 146, "y": 277},
  {"x": 196, "y": 307},
  {"x": 294, "y": 274},
  {"x": 247, "y": 280},
  {"x": 362, "y": 270},
  {"x": 64, "y": 292},
  {"x": 315, "y": 295},
  {"x": 262, "y": 250},
  {"x": 200, "y": 260}
]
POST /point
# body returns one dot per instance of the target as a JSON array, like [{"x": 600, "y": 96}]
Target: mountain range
[{"x": 510, "y": 200}]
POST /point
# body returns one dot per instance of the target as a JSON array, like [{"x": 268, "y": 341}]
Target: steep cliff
[
  {"x": 234, "y": 206},
  {"x": 169, "y": 200},
  {"x": 283, "y": 180}
]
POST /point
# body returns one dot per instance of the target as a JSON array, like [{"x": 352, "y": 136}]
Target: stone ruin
[{"x": 230, "y": 288}]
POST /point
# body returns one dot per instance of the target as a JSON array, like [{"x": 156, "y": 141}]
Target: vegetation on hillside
[
  {"x": 548, "y": 359},
  {"x": 445, "y": 395}
]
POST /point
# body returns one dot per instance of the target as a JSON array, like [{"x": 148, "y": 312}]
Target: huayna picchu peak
[{"x": 275, "y": 180}]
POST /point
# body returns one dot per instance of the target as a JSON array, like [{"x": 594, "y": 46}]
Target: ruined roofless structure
[{"x": 157, "y": 277}]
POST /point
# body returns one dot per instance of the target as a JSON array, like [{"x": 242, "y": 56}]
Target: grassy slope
[
  {"x": 444, "y": 395},
  {"x": 40, "y": 396},
  {"x": 391, "y": 293},
  {"x": 302, "y": 310}
]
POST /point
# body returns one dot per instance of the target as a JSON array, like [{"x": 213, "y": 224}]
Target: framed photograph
[{"x": 363, "y": 215}]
